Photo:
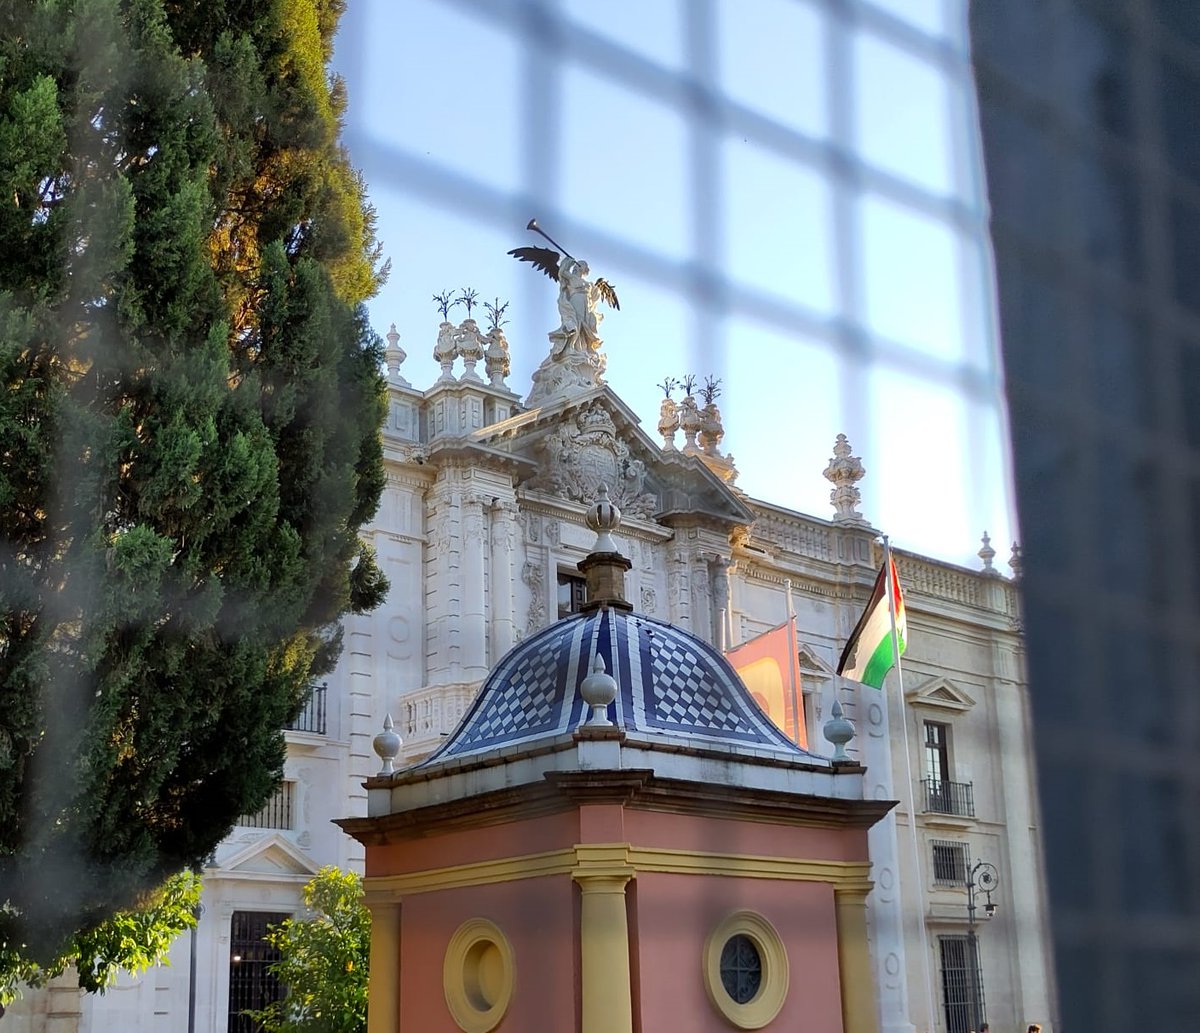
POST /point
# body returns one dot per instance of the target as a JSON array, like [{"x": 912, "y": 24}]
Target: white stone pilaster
[
  {"x": 503, "y": 542},
  {"x": 679, "y": 591},
  {"x": 884, "y": 906},
  {"x": 472, "y": 596},
  {"x": 1014, "y": 757}
]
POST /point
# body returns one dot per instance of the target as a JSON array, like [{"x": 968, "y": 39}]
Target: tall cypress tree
[{"x": 190, "y": 404}]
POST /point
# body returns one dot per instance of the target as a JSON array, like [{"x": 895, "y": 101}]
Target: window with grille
[
  {"x": 741, "y": 968},
  {"x": 572, "y": 593},
  {"x": 950, "y": 863},
  {"x": 251, "y": 985},
  {"x": 278, "y": 812},
  {"x": 962, "y": 987}
]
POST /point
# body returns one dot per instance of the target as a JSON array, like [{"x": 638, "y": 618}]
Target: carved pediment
[
  {"x": 811, "y": 665},
  {"x": 573, "y": 447},
  {"x": 273, "y": 855},
  {"x": 940, "y": 693},
  {"x": 585, "y": 451}
]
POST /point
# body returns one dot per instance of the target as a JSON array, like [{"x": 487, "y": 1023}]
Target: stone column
[
  {"x": 500, "y": 585},
  {"x": 859, "y": 1013},
  {"x": 607, "y": 996},
  {"x": 383, "y": 992},
  {"x": 474, "y": 630}
]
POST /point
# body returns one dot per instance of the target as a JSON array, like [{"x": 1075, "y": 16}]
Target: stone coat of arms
[{"x": 579, "y": 456}]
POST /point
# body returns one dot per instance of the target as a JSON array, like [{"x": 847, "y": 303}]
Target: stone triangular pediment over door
[
  {"x": 568, "y": 449},
  {"x": 273, "y": 855}
]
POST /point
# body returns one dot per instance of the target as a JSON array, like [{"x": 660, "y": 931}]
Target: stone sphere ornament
[
  {"x": 387, "y": 745},
  {"x": 598, "y": 690},
  {"x": 838, "y": 731}
]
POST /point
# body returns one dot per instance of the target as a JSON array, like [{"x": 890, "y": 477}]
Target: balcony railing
[
  {"x": 943, "y": 797},
  {"x": 312, "y": 717},
  {"x": 276, "y": 814}
]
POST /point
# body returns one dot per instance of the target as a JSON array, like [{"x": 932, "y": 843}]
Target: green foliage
[
  {"x": 190, "y": 403},
  {"x": 129, "y": 940},
  {"x": 324, "y": 960}
]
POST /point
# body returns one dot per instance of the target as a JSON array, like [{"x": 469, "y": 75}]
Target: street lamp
[{"x": 982, "y": 878}]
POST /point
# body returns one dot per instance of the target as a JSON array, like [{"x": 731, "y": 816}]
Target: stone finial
[
  {"x": 690, "y": 422},
  {"x": 598, "y": 690},
  {"x": 987, "y": 554},
  {"x": 668, "y": 414},
  {"x": 387, "y": 745},
  {"x": 603, "y": 517},
  {"x": 496, "y": 359},
  {"x": 838, "y": 731},
  {"x": 446, "y": 349},
  {"x": 604, "y": 567},
  {"x": 471, "y": 348},
  {"x": 843, "y": 472},
  {"x": 395, "y": 356},
  {"x": 711, "y": 430},
  {"x": 1016, "y": 562}
]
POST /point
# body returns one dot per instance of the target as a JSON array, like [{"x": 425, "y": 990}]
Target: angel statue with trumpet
[{"x": 577, "y": 296}]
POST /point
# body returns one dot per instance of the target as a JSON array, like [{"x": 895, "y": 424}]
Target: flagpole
[
  {"x": 890, "y": 589},
  {"x": 791, "y": 612}
]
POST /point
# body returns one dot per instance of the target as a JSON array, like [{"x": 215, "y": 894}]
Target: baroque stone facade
[{"x": 479, "y": 532}]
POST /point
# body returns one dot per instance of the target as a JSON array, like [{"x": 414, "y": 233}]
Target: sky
[{"x": 784, "y": 198}]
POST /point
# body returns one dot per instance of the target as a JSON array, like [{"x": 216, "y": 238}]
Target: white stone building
[{"x": 479, "y": 531}]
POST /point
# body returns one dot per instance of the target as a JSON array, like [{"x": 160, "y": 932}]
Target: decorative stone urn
[{"x": 668, "y": 422}]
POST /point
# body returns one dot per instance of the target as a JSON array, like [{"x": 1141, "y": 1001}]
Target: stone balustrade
[{"x": 428, "y": 715}]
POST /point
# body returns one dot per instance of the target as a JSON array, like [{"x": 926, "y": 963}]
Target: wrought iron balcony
[
  {"x": 312, "y": 717},
  {"x": 942, "y": 797}
]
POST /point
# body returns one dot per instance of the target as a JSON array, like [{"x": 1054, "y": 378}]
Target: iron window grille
[
  {"x": 951, "y": 862},
  {"x": 962, "y": 983},
  {"x": 741, "y": 968},
  {"x": 251, "y": 984}
]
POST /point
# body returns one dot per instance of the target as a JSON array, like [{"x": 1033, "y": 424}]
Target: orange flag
[{"x": 769, "y": 666}]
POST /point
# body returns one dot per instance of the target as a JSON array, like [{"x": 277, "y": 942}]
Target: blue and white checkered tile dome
[{"x": 670, "y": 683}]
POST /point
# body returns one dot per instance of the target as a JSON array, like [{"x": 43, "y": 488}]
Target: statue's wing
[
  {"x": 607, "y": 293},
  {"x": 542, "y": 258}
]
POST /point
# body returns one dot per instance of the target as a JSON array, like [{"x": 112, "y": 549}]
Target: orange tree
[{"x": 323, "y": 960}]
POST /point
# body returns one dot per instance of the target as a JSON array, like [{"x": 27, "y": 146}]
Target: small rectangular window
[
  {"x": 950, "y": 863},
  {"x": 572, "y": 594},
  {"x": 937, "y": 752}
]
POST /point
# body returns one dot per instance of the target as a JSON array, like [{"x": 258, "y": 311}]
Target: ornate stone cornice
[
  {"x": 409, "y": 477},
  {"x": 638, "y": 789},
  {"x": 533, "y": 501}
]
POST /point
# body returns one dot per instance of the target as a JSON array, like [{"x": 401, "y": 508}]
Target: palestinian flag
[{"x": 868, "y": 655}]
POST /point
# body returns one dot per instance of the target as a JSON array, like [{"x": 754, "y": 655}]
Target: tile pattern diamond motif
[
  {"x": 669, "y": 681},
  {"x": 682, "y": 693},
  {"x": 530, "y": 704}
]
